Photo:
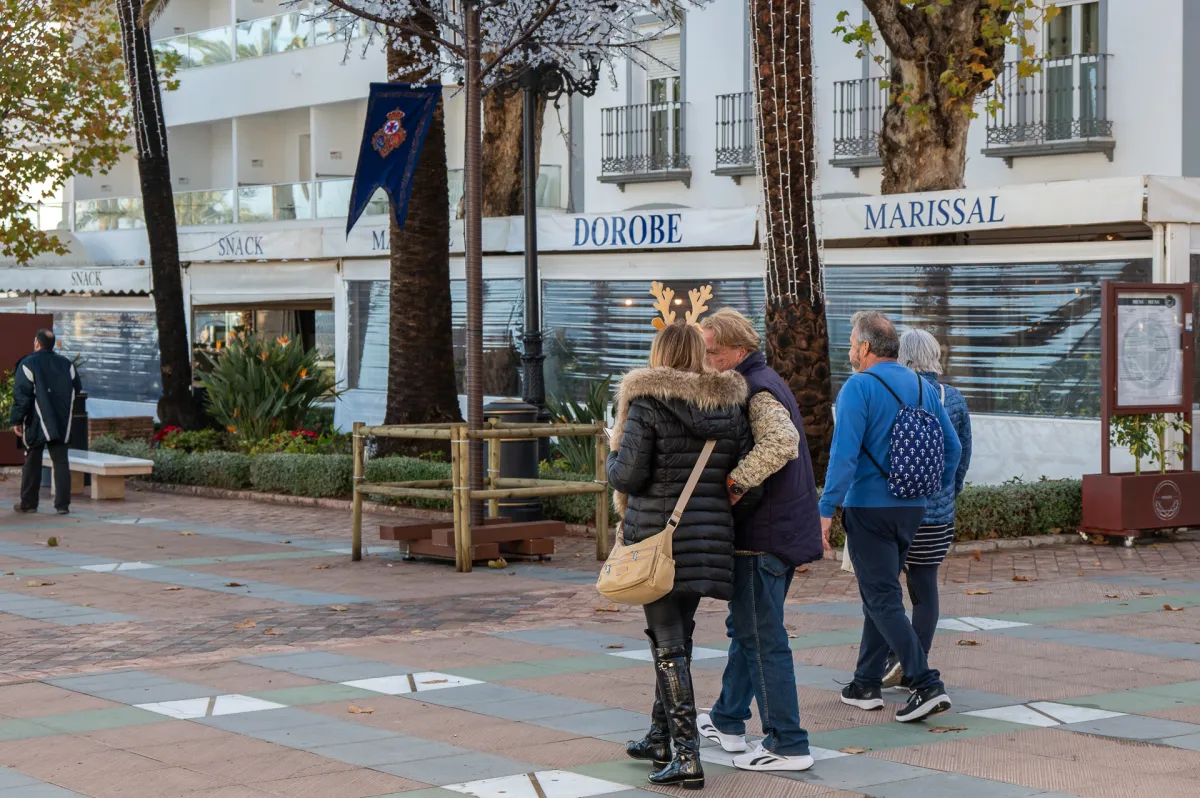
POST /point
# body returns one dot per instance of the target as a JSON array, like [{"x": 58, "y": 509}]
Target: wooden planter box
[
  {"x": 11, "y": 453},
  {"x": 1132, "y": 504}
]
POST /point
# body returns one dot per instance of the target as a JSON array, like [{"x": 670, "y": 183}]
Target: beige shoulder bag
[{"x": 645, "y": 571}]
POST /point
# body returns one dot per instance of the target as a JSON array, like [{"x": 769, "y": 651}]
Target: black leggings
[{"x": 671, "y": 620}]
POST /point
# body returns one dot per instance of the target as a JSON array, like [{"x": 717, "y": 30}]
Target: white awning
[
  {"x": 245, "y": 284},
  {"x": 74, "y": 272}
]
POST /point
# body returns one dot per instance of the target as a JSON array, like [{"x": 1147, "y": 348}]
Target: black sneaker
[
  {"x": 63, "y": 511},
  {"x": 856, "y": 695},
  {"x": 924, "y": 703}
]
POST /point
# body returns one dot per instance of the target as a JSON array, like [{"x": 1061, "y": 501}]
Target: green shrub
[
  {"x": 580, "y": 452},
  {"x": 203, "y": 440},
  {"x": 1016, "y": 509},
  {"x": 299, "y": 442},
  {"x": 316, "y": 475},
  {"x": 6, "y": 394},
  {"x": 407, "y": 469},
  {"x": 572, "y": 509},
  {"x": 256, "y": 389},
  {"x": 319, "y": 419},
  {"x": 226, "y": 470},
  {"x": 111, "y": 444}
]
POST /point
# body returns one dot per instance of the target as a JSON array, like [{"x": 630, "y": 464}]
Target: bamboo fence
[{"x": 457, "y": 490}]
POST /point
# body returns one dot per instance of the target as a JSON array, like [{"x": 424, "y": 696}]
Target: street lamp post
[{"x": 552, "y": 81}]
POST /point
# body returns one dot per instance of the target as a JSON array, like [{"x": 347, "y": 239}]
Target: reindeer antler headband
[{"x": 699, "y": 298}]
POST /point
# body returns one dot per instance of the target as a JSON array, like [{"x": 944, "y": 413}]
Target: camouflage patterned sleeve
[{"x": 776, "y": 441}]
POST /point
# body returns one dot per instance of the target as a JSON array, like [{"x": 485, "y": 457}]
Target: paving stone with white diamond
[{"x": 203, "y": 648}]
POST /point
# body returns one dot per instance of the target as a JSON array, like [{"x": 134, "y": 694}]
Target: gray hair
[
  {"x": 877, "y": 330},
  {"x": 921, "y": 352}
]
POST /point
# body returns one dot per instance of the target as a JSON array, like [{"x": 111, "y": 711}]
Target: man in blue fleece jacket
[{"x": 880, "y": 527}]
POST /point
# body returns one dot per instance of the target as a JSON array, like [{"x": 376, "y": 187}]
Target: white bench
[{"x": 108, "y": 472}]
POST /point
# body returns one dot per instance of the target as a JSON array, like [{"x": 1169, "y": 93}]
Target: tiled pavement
[{"x": 180, "y": 646}]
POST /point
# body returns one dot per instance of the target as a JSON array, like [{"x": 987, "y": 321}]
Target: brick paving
[{"x": 173, "y": 645}]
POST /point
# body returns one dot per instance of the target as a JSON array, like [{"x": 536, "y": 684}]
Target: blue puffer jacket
[{"x": 939, "y": 508}]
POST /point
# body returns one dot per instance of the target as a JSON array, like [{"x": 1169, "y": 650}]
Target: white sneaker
[
  {"x": 731, "y": 743},
  {"x": 764, "y": 760}
]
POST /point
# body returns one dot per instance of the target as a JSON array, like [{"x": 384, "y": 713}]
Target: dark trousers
[
  {"x": 879, "y": 538},
  {"x": 760, "y": 663},
  {"x": 31, "y": 476},
  {"x": 923, "y": 593},
  {"x": 671, "y": 620}
]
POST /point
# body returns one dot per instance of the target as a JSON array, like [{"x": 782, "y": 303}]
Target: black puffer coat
[{"x": 663, "y": 418}]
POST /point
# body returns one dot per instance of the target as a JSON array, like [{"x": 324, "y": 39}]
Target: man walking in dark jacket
[
  {"x": 44, "y": 390},
  {"x": 780, "y": 532}
]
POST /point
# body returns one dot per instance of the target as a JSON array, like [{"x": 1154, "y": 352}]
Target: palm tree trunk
[
  {"x": 503, "y": 154},
  {"x": 177, "y": 405},
  {"x": 797, "y": 335},
  {"x": 421, "y": 384}
]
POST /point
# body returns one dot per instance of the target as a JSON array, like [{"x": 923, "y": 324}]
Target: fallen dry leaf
[
  {"x": 1145, "y": 592},
  {"x": 285, "y": 541},
  {"x": 854, "y": 750},
  {"x": 338, "y": 607},
  {"x": 437, "y": 681},
  {"x": 498, "y": 564},
  {"x": 1112, "y": 595},
  {"x": 1023, "y": 578},
  {"x": 1079, "y": 572},
  {"x": 272, "y": 631},
  {"x": 86, "y": 604},
  {"x": 968, "y": 642},
  {"x": 945, "y": 729},
  {"x": 959, "y": 581},
  {"x": 52, "y": 542},
  {"x": 37, "y": 583},
  {"x": 803, "y": 569},
  {"x": 187, "y": 533},
  {"x": 609, "y": 608},
  {"x": 169, "y": 589},
  {"x": 361, "y": 710},
  {"x": 615, "y": 645},
  {"x": 1169, "y": 608},
  {"x": 234, "y": 584},
  {"x": 976, "y": 555},
  {"x": 321, "y": 567},
  {"x": 1123, "y": 604},
  {"x": 246, "y": 624},
  {"x": 10, "y": 573},
  {"x": 977, "y": 592}
]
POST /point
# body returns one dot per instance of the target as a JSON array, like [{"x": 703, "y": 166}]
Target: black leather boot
[
  {"x": 656, "y": 745},
  {"x": 672, "y": 668}
]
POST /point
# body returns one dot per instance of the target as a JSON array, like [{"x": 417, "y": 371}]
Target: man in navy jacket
[
  {"x": 779, "y": 532},
  {"x": 44, "y": 389}
]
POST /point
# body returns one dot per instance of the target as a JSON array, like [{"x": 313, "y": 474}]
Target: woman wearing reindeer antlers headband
[{"x": 679, "y": 431}]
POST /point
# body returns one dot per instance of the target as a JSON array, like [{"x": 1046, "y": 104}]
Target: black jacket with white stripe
[{"x": 44, "y": 389}]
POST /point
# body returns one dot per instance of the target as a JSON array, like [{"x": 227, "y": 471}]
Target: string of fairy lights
[
  {"x": 783, "y": 257},
  {"x": 150, "y": 123}
]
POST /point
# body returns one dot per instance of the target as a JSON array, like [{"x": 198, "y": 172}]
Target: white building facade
[{"x": 1090, "y": 172}]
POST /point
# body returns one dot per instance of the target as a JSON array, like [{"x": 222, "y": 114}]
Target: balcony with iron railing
[
  {"x": 1061, "y": 108},
  {"x": 735, "y": 136},
  {"x": 281, "y": 33},
  {"x": 645, "y": 143},
  {"x": 858, "y": 107}
]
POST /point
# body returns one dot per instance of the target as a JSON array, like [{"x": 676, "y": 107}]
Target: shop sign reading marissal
[{"x": 931, "y": 213}]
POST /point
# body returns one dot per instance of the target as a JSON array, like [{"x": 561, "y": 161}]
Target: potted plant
[{"x": 1125, "y": 504}]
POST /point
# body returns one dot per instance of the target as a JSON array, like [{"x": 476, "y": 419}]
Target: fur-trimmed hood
[{"x": 706, "y": 392}]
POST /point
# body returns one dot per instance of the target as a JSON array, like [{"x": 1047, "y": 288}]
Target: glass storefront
[
  {"x": 1017, "y": 338},
  {"x": 503, "y": 321},
  {"x": 119, "y": 351},
  {"x": 597, "y": 329}
]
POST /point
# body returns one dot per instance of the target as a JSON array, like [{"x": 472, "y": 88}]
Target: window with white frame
[{"x": 1073, "y": 70}]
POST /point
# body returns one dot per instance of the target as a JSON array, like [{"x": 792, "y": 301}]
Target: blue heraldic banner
[{"x": 398, "y": 117}]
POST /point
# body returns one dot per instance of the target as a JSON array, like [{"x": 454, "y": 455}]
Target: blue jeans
[
  {"x": 879, "y": 538},
  {"x": 760, "y": 659}
]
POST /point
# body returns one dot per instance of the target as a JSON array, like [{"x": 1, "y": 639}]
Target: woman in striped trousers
[{"x": 921, "y": 352}]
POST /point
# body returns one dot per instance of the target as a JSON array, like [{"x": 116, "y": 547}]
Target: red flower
[{"x": 164, "y": 433}]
